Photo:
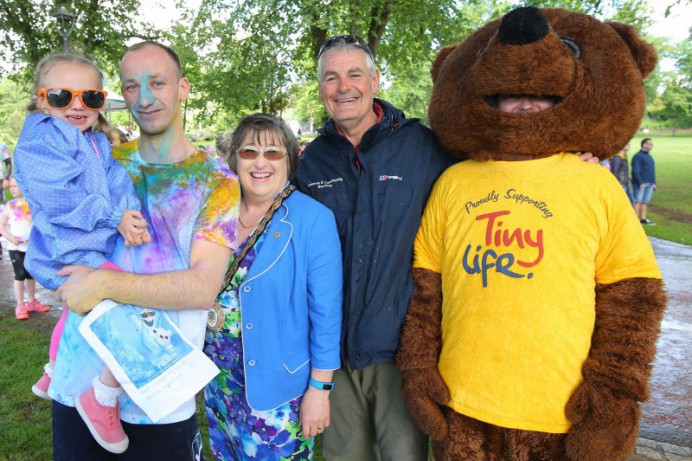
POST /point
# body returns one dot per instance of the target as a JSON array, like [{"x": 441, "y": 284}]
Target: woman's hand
[
  {"x": 314, "y": 412},
  {"x": 587, "y": 157}
]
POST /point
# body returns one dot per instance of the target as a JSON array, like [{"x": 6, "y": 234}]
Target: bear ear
[
  {"x": 644, "y": 54},
  {"x": 440, "y": 59}
]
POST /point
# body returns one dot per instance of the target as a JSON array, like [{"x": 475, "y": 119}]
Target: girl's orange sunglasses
[{"x": 62, "y": 98}]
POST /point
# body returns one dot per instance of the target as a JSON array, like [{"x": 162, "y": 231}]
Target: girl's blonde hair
[{"x": 44, "y": 66}]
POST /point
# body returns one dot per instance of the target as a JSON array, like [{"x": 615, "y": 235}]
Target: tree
[
  {"x": 244, "y": 56},
  {"x": 260, "y": 46},
  {"x": 308, "y": 108},
  {"x": 14, "y": 97},
  {"x": 637, "y": 13},
  {"x": 673, "y": 107},
  {"x": 102, "y": 28},
  {"x": 254, "y": 50}
]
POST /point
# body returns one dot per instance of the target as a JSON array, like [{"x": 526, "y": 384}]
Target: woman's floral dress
[{"x": 236, "y": 431}]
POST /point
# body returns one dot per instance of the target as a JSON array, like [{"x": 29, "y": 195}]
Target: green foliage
[
  {"x": 253, "y": 51},
  {"x": 308, "y": 109},
  {"x": 14, "y": 97},
  {"x": 101, "y": 30},
  {"x": 684, "y": 62},
  {"x": 261, "y": 55},
  {"x": 637, "y": 13},
  {"x": 677, "y": 104},
  {"x": 672, "y": 107},
  {"x": 411, "y": 91}
]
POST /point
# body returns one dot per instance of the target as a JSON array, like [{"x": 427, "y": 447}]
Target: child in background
[
  {"x": 5, "y": 170},
  {"x": 15, "y": 226},
  {"x": 80, "y": 199}
]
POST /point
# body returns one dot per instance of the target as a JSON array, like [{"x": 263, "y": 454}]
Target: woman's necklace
[{"x": 248, "y": 227}]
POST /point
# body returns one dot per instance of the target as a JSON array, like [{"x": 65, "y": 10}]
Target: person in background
[
  {"x": 15, "y": 226},
  {"x": 619, "y": 167},
  {"x": 643, "y": 179},
  {"x": 5, "y": 168},
  {"x": 276, "y": 327},
  {"x": 5, "y": 171}
]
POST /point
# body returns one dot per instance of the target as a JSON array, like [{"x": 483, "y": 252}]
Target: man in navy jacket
[
  {"x": 374, "y": 169},
  {"x": 643, "y": 179}
]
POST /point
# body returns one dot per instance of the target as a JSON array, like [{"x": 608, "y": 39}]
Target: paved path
[
  {"x": 667, "y": 416},
  {"x": 666, "y": 432}
]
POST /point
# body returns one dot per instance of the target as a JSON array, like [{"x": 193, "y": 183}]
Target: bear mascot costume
[{"x": 537, "y": 299}]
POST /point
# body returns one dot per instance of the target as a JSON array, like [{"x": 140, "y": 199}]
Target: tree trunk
[{"x": 379, "y": 15}]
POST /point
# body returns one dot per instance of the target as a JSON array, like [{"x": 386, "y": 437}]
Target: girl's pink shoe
[
  {"x": 36, "y": 306},
  {"x": 103, "y": 422},
  {"x": 41, "y": 387},
  {"x": 20, "y": 312}
]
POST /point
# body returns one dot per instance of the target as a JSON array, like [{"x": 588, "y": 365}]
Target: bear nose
[{"x": 523, "y": 26}]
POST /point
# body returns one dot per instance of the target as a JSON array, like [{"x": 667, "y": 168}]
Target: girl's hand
[
  {"x": 133, "y": 228},
  {"x": 146, "y": 238}
]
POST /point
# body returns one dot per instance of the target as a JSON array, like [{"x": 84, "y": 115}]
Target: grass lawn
[
  {"x": 671, "y": 205},
  {"x": 25, "y": 424}
]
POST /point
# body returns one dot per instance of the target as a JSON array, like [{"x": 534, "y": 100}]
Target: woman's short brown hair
[{"x": 228, "y": 143}]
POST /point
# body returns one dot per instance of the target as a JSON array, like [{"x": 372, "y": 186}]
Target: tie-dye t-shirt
[
  {"x": 18, "y": 222},
  {"x": 196, "y": 198}
]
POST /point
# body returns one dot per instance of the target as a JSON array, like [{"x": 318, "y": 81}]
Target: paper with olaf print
[{"x": 157, "y": 367}]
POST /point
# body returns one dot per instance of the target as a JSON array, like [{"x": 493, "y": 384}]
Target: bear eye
[{"x": 574, "y": 46}]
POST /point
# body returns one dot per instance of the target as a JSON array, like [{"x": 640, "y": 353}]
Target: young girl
[
  {"x": 80, "y": 198},
  {"x": 15, "y": 225}
]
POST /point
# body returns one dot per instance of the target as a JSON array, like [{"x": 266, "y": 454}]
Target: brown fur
[
  {"x": 604, "y": 409},
  {"x": 423, "y": 387},
  {"x": 602, "y": 101},
  {"x": 603, "y": 94},
  {"x": 473, "y": 440}
]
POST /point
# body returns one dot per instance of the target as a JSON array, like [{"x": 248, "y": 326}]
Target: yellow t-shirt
[{"x": 520, "y": 246}]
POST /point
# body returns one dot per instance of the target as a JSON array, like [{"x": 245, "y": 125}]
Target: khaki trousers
[{"x": 369, "y": 419}]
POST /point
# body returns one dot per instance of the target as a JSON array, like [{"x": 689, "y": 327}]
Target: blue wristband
[{"x": 321, "y": 385}]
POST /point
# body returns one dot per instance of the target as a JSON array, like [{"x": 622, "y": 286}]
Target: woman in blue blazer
[{"x": 275, "y": 330}]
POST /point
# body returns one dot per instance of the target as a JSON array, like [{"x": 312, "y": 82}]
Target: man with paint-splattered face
[
  {"x": 153, "y": 86},
  {"x": 191, "y": 204}
]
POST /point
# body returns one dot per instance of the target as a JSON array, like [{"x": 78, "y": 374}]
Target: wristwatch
[{"x": 321, "y": 385}]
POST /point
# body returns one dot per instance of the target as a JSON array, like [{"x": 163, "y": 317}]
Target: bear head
[{"x": 592, "y": 71}]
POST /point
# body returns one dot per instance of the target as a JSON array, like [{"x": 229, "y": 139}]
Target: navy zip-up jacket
[
  {"x": 377, "y": 191},
  {"x": 643, "y": 169}
]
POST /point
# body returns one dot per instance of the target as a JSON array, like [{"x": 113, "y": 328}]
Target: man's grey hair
[{"x": 340, "y": 46}]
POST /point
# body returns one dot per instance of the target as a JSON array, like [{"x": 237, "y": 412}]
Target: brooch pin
[{"x": 216, "y": 318}]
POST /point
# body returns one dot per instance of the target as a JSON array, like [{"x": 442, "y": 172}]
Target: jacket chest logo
[
  {"x": 325, "y": 183},
  {"x": 389, "y": 177}
]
